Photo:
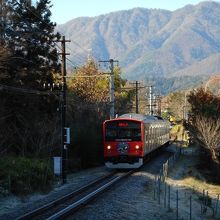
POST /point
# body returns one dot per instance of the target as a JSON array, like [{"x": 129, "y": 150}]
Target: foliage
[
  {"x": 29, "y": 124},
  {"x": 147, "y": 50},
  {"x": 175, "y": 103},
  {"x": 6, "y": 63},
  {"x": 178, "y": 133},
  {"x": 89, "y": 84},
  {"x": 30, "y": 37},
  {"x": 213, "y": 85},
  {"x": 204, "y": 123},
  {"x": 88, "y": 107},
  {"x": 205, "y": 103},
  {"x": 28, "y": 57},
  {"x": 25, "y": 175}
]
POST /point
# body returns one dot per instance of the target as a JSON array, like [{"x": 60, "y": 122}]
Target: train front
[{"x": 123, "y": 143}]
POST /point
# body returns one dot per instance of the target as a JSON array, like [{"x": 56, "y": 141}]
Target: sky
[{"x": 65, "y": 10}]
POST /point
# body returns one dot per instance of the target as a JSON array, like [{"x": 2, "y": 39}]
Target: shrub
[{"x": 21, "y": 175}]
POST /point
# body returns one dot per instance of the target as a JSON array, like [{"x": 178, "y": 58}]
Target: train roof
[
  {"x": 141, "y": 117},
  {"x": 146, "y": 119}
]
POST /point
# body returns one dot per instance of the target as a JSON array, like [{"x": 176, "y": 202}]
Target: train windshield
[{"x": 117, "y": 130}]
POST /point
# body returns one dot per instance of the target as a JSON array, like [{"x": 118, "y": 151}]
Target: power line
[
  {"x": 74, "y": 65},
  {"x": 71, "y": 62},
  {"x": 49, "y": 26},
  {"x": 63, "y": 110},
  {"x": 28, "y": 40},
  {"x": 111, "y": 86},
  {"x": 36, "y": 17},
  {"x": 22, "y": 91},
  {"x": 41, "y": 30},
  {"x": 88, "y": 76},
  {"x": 83, "y": 49},
  {"x": 78, "y": 45},
  {"x": 137, "y": 87}
]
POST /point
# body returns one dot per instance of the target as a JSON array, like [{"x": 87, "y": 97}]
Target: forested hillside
[{"x": 152, "y": 42}]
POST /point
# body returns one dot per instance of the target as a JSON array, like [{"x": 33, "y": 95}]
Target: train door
[
  {"x": 160, "y": 134},
  {"x": 147, "y": 138},
  {"x": 152, "y": 137}
]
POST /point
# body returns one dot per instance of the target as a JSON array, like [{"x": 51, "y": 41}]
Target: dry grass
[{"x": 188, "y": 176}]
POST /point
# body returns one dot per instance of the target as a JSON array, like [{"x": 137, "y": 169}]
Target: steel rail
[
  {"x": 58, "y": 201},
  {"x": 83, "y": 201}
]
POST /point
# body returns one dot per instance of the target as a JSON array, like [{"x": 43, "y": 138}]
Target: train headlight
[
  {"x": 109, "y": 147},
  {"x": 137, "y": 147}
]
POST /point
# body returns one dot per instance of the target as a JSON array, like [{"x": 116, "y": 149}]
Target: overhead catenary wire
[
  {"x": 60, "y": 32},
  {"x": 59, "y": 58},
  {"x": 18, "y": 90},
  {"x": 88, "y": 76},
  {"x": 36, "y": 17},
  {"x": 72, "y": 64},
  {"x": 83, "y": 49},
  {"x": 79, "y": 46},
  {"x": 28, "y": 40},
  {"x": 70, "y": 61},
  {"x": 15, "y": 89}
]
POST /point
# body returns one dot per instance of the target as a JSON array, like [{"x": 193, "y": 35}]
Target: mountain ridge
[{"x": 151, "y": 42}]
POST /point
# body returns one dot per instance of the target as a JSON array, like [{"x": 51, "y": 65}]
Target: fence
[{"x": 185, "y": 203}]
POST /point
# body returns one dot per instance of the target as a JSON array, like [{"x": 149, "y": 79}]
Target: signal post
[{"x": 65, "y": 132}]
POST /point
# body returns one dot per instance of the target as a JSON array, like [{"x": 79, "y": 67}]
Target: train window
[
  {"x": 130, "y": 131},
  {"x": 111, "y": 133},
  {"x": 137, "y": 134},
  {"x": 124, "y": 133}
]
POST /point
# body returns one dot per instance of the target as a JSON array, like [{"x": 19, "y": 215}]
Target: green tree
[
  {"x": 88, "y": 107},
  {"x": 30, "y": 35},
  {"x": 28, "y": 57}
]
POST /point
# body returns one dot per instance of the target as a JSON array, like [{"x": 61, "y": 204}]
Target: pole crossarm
[
  {"x": 63, "y": 109},
  {"x": 88, "y": 76}
]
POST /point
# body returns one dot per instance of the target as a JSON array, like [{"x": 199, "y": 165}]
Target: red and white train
[{"x": 130, "y": 138}]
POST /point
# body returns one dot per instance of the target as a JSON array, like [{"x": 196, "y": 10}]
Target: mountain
[{"x": 152, "y": 43}]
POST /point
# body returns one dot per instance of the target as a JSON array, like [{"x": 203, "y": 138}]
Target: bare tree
[
  {"x": 205, "y": 121},
  {"x": 206, "y": 131}
]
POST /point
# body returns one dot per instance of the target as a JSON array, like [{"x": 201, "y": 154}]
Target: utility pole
[
  {"x": 150, "y": 101},
  {"x": 111, "y": 86},
  {"x": 137, "y": 87},
  {"x": 63, "y": 108},
  {"x": 136, "y": 96},
  {"x": 158, "y": 104}
]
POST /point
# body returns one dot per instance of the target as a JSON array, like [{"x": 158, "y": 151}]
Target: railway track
[{"x": 70, "y": 203}]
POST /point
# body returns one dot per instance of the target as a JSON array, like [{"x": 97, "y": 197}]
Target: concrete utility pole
[
  {"x": 158, "y": 104},
  {"x": 150, "y": 101},
  {"x": 111, "y": 86},
  {"x": 137, "y": 87},
  {"x": 63, "y": 108},
  {"x": 136, "y": 95}
]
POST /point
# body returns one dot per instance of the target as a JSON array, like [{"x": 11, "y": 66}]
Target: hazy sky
[{"x": 65, "y": 10}]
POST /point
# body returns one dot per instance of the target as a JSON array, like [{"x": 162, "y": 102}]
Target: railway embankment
[{"x": 183, "y": 193}]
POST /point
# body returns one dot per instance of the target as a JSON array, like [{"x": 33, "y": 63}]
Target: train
[{"x": 130, "y": 138}]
